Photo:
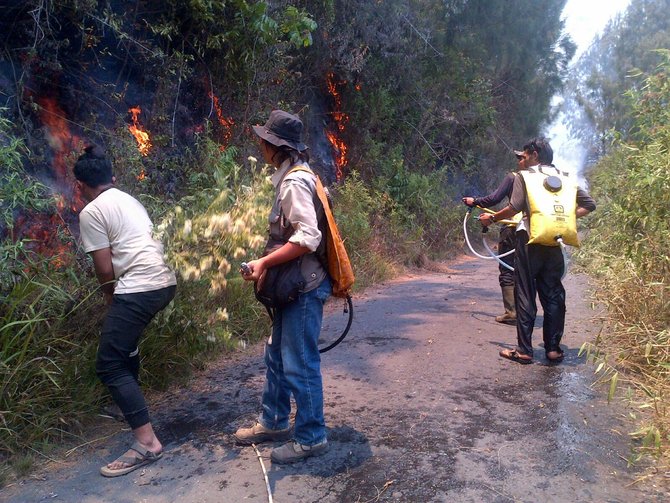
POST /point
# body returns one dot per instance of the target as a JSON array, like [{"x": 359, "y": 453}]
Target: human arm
[
  {"x": 517, "y": 201},
  {"x": 104, "y": 271},
  {"x": 96, "y": 243},
  {"x": 504, "y": 190},
  {"x": 297, "y": 206},
  {"x": 488, "y": 218},
  {"x": 585, "y": 203},
  {"x": 288, "y": 251}
]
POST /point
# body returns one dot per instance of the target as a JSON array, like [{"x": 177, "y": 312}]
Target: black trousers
[
  {"x": 506, "y": 242},
  {"x": 537, "y": 271},
  {"x": 118, "y": 360}
]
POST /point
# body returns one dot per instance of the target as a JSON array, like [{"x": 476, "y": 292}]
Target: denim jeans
[
  {"x": 118, "y": 360},
  {"x": 294, "y": 367}
]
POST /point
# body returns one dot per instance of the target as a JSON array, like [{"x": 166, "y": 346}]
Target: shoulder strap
[
  {"x": 298, "y": 167},
  {"x": 558, "y": 171},
  {"x": 344, "y": 275}
]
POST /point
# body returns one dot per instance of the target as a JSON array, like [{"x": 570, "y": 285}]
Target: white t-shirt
[{"x": 118, "y": 221}]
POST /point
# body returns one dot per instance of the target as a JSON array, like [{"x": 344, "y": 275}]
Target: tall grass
[
  {"x": 628, "y": 252},
  {"x": 41, "y": 364}
]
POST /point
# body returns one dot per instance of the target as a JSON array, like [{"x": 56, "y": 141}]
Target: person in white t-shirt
[{"x": 136, "y": 283}]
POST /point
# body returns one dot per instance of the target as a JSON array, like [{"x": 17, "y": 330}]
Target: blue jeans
[
  {"x": 118, "y": 360},
  {"x": 294, "y": 367}
]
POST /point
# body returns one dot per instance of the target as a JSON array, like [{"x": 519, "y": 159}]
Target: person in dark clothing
[
  {"x": 538, "y": 268},
  {"x": 505, "y": 242}
]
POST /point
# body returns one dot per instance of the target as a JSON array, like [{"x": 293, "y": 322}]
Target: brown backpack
[{"x": 339, "y": 266}]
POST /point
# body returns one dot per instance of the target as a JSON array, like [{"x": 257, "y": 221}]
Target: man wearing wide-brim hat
[{"x": 291, "y": 353}]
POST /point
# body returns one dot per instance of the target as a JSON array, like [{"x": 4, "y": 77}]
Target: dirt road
[{"x": 419, "y": 407}]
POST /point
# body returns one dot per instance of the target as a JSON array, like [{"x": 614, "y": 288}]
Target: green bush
[{"x": 628, "y": 251}]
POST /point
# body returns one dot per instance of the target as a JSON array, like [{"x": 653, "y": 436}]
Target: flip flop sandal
[
  {"x": 143, "y": 457},
  {"x": 515, "y": 356}
]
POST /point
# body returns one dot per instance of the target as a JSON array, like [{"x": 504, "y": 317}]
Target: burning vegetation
[
  {"x": 142, "y": 137},
  {"x": 340, "y": 120},
  {"x": 226, "y": 123}
]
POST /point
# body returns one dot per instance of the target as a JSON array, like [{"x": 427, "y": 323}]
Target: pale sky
[{"x": 585, "y": 18}]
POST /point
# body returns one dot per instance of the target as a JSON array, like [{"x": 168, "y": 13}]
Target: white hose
[
  {"x": 497, "y": 257},
  {"x": 492, "y": 255},
  {"x": 564, "y": 250},
  {"x": 265, "y": 473}
]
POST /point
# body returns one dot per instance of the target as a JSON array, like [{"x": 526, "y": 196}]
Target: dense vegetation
[
  {"x": 621, "y": 86},
  {"x": 618, "y": 60},
  {"x": 407, "y": 105},
  {"x": 629, "y": 255}
]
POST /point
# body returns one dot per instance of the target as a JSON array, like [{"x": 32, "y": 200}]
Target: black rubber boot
[{"x": 509, "y": 317}]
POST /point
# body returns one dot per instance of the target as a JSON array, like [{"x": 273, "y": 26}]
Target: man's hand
[
  {"x": 256, "y": 268},
  {"x": 469, "y": 201},
  {"x": 486, "y": 219},
  {"x": 581, "y": 212}
]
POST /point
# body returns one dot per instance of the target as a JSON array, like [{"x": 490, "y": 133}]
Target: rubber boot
[{"x": 509, "y": 318}]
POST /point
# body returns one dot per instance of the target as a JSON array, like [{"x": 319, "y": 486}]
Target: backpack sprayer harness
[
  {"x": 331, "y": 254},
  {"x": 552, "y": 211}
]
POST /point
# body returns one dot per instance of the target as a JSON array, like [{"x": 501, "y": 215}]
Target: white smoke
[
  {"x": 583, "y": 21},
  {"x": 569, "y": 152}
]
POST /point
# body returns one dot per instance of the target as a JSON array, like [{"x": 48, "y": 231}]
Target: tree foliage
[
  {"x": 628, "y": 248},
  {"x": 449, "y": 81},
  {"x": 617, "y": 62}
]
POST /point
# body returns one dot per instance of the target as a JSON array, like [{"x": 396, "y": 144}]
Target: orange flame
[
  {"x": 142, "y": 138},
  {"x": 41, "y": 230},
  {"x": 340, "y": 119},
  {"x": 227, "y": 123},
  {"x": 46, "y": 231},
  {"x": 63, "y": 144},
  {"x": 61, "y": 141}
]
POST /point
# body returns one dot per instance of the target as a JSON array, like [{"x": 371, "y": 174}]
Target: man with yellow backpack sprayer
[{"x": 551, "y": 204}]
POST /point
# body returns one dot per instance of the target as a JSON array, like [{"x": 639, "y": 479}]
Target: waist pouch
[{"x": 280, "y": 285}]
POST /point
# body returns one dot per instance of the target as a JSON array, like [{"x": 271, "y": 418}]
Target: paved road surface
[{"x": 419, "y": 406}]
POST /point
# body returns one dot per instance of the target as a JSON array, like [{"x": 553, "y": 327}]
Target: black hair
[
  {"x": 545, "y": 154},
  {"x": 93, "y": 168},
  {"x": 284, "y": 152}
]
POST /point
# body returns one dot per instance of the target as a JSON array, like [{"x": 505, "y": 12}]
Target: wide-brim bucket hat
[{"x": 282, "y": 130}]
